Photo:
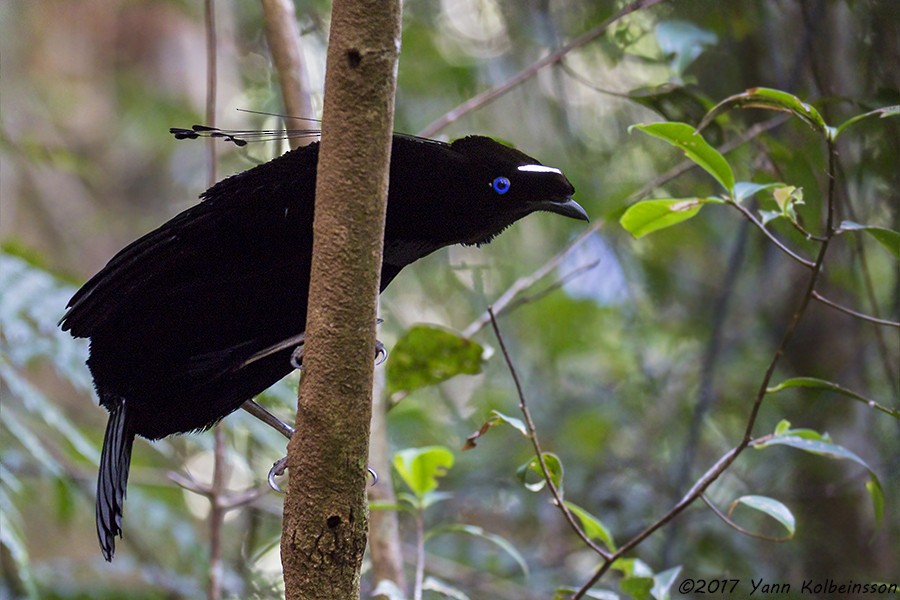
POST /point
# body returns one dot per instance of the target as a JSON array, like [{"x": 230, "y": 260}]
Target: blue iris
[{"x": 501, "y": 185}]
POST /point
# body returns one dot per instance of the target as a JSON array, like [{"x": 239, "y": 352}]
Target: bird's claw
[
  {"x": 381, "y": 352},
  {"x": 280, "y": 466},
  {"x": 277, "y": 470},
  {"x": 297, "y": 357}
]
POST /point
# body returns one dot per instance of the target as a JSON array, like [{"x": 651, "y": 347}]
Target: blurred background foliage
[{"x": 639, "y": 371}]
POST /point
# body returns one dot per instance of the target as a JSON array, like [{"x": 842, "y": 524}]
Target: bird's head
[{"x": 475, "y": 187}]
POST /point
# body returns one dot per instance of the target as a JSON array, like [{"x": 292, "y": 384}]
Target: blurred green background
[{"x": 639, "y": 371}]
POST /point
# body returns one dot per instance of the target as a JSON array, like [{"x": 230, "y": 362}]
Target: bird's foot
[
  {"x": 381, "y": 352},
  {"x": 280, "y": 466}
]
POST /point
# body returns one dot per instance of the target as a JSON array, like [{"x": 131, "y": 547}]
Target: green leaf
[
  {"x": 770, "y": 507},
  {"x": 887, "y": 111},
  {"x": 787, "y": 197},
  {"x": 747, "y": 189},
  {"x": 648, "y": 216},
  {"x": 767, "y": 216},
  {"x": 495, "y": 419},
  {"x": 554, "y": 468},
  {"x": 673, "y": 102},
  {"x": 633, "y": 567},
  {"x": 770, "y": 99},
  {"x": 830, "y": 450},
  {"x": 874, "y": 490},
  {"x": 637, "y": 587},
  {"x": 662, "y": 583},
  {"x": 592, "y": 526},
  {"x": 427, "y": 355},
  {"x": 420, "y": 467},
  {"x": 889, "y": 238},
  {"x": 695, "y": 148},
  {"x": 479, "y": 532},
  {"x": 821, "y": 384}
]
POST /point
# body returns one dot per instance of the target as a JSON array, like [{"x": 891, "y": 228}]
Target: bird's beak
[{"x": 566, "y": 208}]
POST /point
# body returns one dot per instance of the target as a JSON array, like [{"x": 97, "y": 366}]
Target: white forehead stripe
[{"x": 539, "y": 169}]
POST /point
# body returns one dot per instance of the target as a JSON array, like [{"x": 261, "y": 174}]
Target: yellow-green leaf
[{"x": 648, "y": 216}]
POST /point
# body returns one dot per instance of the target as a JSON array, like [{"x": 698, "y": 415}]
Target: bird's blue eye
[{"x": 501, "y": 185}]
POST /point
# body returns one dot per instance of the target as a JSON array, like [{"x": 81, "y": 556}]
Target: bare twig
[
  {"x": 492, "y": 94},
  {"x": 561, "y": 281},
  {"x": 211, "y": 83},
  {"x": 283, "y": 38},
  {"x": 539, "y": 453},
  {"x": 750, "y": 217},
  {"x": 501, "y": 305},
  {"x": 420, "y": 554},
  {"x": 384, "y": 528},
  {"x": 227, "y": 500},
  {"x": 216, "y": 514},
  {"x": 816, "y": 295}
]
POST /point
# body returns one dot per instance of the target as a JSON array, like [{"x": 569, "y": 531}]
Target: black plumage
[{"x": 174, "y": 317}]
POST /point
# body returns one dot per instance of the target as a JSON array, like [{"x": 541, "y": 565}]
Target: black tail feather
[{"x": 115, "y": 460}]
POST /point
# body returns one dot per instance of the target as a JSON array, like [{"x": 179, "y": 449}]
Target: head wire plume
[{"x": 240, "y": 137}]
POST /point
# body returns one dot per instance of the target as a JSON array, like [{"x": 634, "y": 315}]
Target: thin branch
[
  {"x": 492, "y": 94},
  {"x": 816, "y": 295},
  {"x": 283, "y": 38},
  {"x": 807, "y": 234},
  {"x": 216, "y": 514},
  {"x": 573, "y": 274},
  {"x": 501, "y": 305},
  {"x": 749, "y": 215},
  {"x": 211, "y": 83},
  {"x": 711, "y": 475},
  {"x": 539, "y": 453},
  {"x": 227, "y": 500},
  {"x": 420, "y": 555},
  {"x": 727, "y": 520}
]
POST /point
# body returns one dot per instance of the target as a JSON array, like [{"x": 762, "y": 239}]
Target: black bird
[{"x": 181, "y": 321}]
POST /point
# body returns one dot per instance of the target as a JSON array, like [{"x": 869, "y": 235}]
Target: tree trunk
[{"x": 325, "y": 511}]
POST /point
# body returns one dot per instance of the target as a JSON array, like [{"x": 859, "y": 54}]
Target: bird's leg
[
  {"x": 268, "y": 418},
  {"x": 278, "y": 425},
  {"x": 295, "y": 342},
  {"x": 287, "y": 431},
  {"x": 271, "y": 420}
]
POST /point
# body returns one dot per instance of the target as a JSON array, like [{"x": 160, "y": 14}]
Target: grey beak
[{"x": 568, "y": 208}]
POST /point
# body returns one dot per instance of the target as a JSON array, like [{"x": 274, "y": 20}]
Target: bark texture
[{"x": 325, "y": 511}]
